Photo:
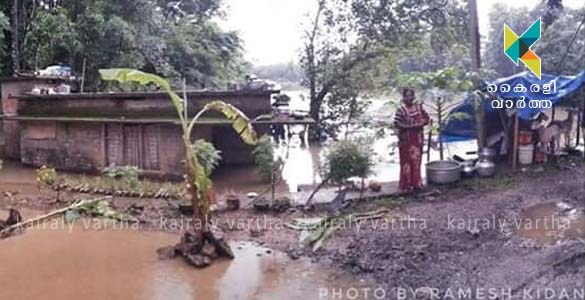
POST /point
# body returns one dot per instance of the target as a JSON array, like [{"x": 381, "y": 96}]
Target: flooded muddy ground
[
  {"x": 480, "y": 233},
  {"x": 90, "y": 259}
]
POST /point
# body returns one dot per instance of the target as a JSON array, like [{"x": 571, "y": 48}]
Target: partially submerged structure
[{"x": 89, "y": 131}]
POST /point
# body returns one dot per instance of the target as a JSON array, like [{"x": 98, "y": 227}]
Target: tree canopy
[
  {"x": 174, "y": 39},
  {"x": 355, "y": 48},
  {"x": 562, "y": 44}
]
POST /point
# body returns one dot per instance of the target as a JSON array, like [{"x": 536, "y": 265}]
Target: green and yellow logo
[{"x": 518, "y": 48}]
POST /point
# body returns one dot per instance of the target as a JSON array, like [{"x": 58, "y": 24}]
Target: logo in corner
[{"x": 518, "y": 48}]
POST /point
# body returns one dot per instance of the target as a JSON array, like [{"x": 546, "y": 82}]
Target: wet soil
[
  {"x": 480, "y": 237},
  {"x": 476, "y": 234}
]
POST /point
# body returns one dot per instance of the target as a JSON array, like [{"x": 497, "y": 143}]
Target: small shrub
[
  {"x": 347, "y": 159},
  {"x": 46, "y": 176},
  {"x": 264, "y": 157},
  {"x": 128, "y": 174}
]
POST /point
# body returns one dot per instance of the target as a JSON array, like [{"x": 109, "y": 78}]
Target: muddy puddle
[
  {"x": 85, "y": 262},
  {"x": 552, "y": 222},
  {"x": 16, "y": 178}
]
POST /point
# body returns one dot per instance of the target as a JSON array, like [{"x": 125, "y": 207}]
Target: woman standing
[{"x": 410, "y": 120}]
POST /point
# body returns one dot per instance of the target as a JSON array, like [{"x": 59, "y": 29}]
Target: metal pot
[
  {"x": 443, "y": 171},
  {"x": 468, "y": 168},
  {"x": 486, "y": 153},
  {"x": 485, "y": 167}
]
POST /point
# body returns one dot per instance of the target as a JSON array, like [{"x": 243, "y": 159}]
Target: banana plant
[{"x": 198, "y": 181}]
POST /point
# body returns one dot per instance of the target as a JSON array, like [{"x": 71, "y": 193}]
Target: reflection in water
[
  {"x": 84, "y": 263},
  {"x": 301, "y": 165}
]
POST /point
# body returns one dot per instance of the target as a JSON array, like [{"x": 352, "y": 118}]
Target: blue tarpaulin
[{"x": 563, "y": 86}]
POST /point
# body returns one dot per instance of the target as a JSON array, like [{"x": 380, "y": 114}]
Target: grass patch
[
  {"x": 499, "y": 182},
  {"x": 388, "y": 202}
]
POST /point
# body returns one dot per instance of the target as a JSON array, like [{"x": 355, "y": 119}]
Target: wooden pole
[
  {"x": 582, "y": 114},
  {"x": 83, "y": 75},
  {"x": 580, "y": 117},
  {"x": 579, "y": 121},
  {"x": 429, "y": 140},
  {"x": 439, "y": 125},
  {"x": 475, "y": 37},
  {"x": 478, "y": 106}
]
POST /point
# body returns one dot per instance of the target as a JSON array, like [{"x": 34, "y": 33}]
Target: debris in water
[
  {"x": 98, "y": 207},
  {"x": 261, "y": 204},
  {"x": 233, "y": 202},
  {"x": 199, "y": 250},
  {"x": 14, "y": 218},
  {"x": 375, "y": 186},
  {"x": 282, "y": 204},
  {"x": 168, "y": 252},
  {"x": 104, "y": 209}
]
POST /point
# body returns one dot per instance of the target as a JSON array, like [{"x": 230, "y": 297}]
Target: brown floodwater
[
  {"x": 302, "y": 160},
  {"x": 551, "y": 222},
  {"x": 93, "y": 261},
  {"x": 15, "y": 178}
]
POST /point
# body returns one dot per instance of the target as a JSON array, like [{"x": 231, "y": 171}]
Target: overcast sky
[{"x": 272, "y": 29}]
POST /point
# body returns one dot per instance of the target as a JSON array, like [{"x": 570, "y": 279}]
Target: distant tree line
[{"x": 286, "y": 74}]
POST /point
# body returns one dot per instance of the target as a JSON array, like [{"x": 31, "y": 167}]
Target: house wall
[
  {"x": 67, "y": 146},
  {"x": 90, "y": 147},
  {"x": 154, "y": 146},
  {"x": 134, "y": 105},
  {"x": 9, "y": 129}
]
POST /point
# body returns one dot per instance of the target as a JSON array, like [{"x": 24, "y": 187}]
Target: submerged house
[{"x": 89, "y": 131}]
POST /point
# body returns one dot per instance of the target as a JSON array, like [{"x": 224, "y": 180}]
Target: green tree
[
  {"x": 560, "y": 47},
  {"x": 174, "y": 39},
  {"x": 354, "y": 48},
  {"x": 4, "y": 26}
]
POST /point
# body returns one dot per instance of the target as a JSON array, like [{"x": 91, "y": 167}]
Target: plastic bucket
[
  {"x": 539, "y": 156},
  {"x": 525, "y": 138},
  {"x": 526, "y": 154}
]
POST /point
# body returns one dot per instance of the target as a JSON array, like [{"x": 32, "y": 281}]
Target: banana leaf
[{"x": 240, "y": 122}]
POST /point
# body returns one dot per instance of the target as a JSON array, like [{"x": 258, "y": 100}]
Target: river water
[
  {"x": 91, "y": 260},
  {"x": 302, "y": 162}
]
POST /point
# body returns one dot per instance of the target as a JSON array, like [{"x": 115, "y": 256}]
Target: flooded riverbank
[
  {"x": 83, "y": 263},
  {"x": 302, "y": 160}
]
